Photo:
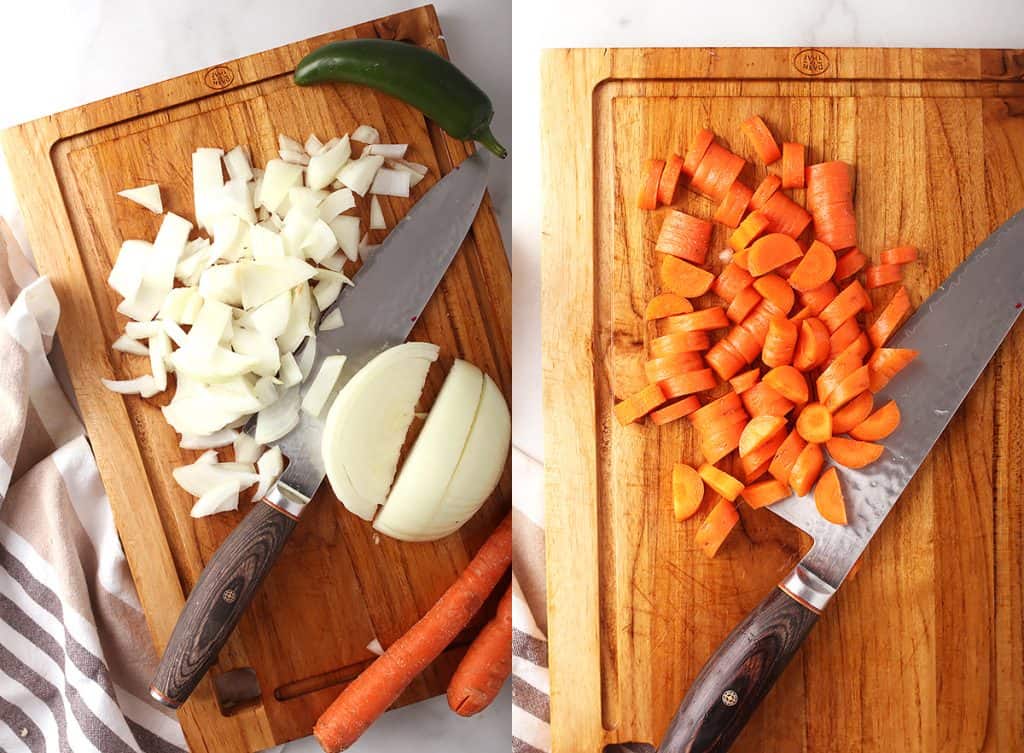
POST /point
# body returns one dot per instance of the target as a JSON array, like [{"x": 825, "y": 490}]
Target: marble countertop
[{"x": 105, "y": 47}]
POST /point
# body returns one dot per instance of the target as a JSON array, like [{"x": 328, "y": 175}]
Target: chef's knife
[
  {"x": 956, "y": 331},
  {"x": 390, "y": 291}
]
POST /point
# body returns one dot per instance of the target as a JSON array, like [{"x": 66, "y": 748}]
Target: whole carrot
[
  {"x": 380, "y": 684},
  {"x": 486, "y": 665}
]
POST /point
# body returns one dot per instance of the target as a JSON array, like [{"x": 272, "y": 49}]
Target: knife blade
[
  {"x": 379, "y": 310},
  {"x": 956, "y": 331}
]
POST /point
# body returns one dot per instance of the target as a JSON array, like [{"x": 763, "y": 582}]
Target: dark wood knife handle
[
  {"x": 738, "y": 676},
  {"x": 224, "y": 590}
]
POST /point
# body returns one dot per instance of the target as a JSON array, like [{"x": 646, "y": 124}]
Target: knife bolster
[
  {"x": 807, "y": 588},
  {"x": 286, "y": 501}
]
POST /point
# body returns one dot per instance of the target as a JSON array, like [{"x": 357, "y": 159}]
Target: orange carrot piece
[
  {"x": 755, "y": 129},
  {"x": 788, "y": 382},
  {"x": 636, "y": 406},
  {"x": 674, "y": 411},
  {"x": 688, "y": 383},
  {"x": 851, "y": 453},
  {"x": 687, "y": 491},
  {"x": 786, "y": 215},
  {"x": 743, "y": 344},
  {"x": 756, "y": 325},
  {"x": 370, "y": 694},
  {"x": 721, "y": 482},
  {"x": 730, "y": 281},
  {"x": 853, "y": 385},
  {"x": 850, "y": 301},
  {"x": 755, "y": 463},
  {"x": 843, "y": 337},
  {"x": 881, "y": 275},
  {"x": 771, "y": 251},
  {"x": 683, "y": 278},
  {"x": 698, "y": 321},
  {"x": 758, "y": 431},
  {"x": 716, "y": 527},
  {"x": 763, "y": 400},
  {"x": 667, "y": 367},
  {"x": 792, "y": 165},
  {"x": 486, "y": 665},
  {"x": 743, "y": 382},
  {"x": 679, "y": 342},
  {"x": 648, "y": 198},
  {"x": 811, "y": 345},
  {"x": 815, "y": 268},
  {"x": 806, "y": 468},
  {"x": 890, "y": 319},
  {"x": 765, "y": 493},
  {"x": 714, "y": 412},
  {"x": 717, "y": 171},
  {"x": 787, "y": 269},
  {"x": 785, "y": 457},
  {"x": 666, "y": 304},
  {"x": 885, "y": 363},
  {"x": 844, "y": 365},
  {"x": 779, "y": 343},
  {"x": 696, "y": 151},
  {"x": 684, "y": 236},
  {"x": 776, "y": 290},
  {"x": 765, "y": 190},
  {"x": 803, "y": 313},
  {"x": 818, "y": 298},
  {"x": 731, "y": 210},
  {"x": 861, "y": 346},
  {"x": 724, "y": 360},
  {"x": 849, "y": 264},
  {"x": 828, "y": 183},
  {"x": 742, "y": 304},
  {"x": 828, "y": 498},
  {"x": 715, "y": 445},
  {"x": 853, "y": 413},
  {"x": 836, "y": 225},
  {"x": 746, "y": 232},
  {"x": 815, "y": 423},
  {"x": 879, "y": 424},
  {"x": 899, "y": 255},
  {"x": 670, "y": 179}
]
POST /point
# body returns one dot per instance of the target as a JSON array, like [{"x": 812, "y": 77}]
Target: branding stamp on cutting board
[
  {"x": 811, "y": 62},
  {"x": 219, "y": 77}
]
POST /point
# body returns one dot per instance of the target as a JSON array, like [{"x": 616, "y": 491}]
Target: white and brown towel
[{"x": 75, "y": 654}]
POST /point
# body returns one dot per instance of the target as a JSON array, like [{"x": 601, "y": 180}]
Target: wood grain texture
[
  {"x": 937, "y": 138},
  {"x": 336, "y": 586}
]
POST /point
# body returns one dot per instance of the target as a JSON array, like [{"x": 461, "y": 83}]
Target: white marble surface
[
  {"x": 539, "y": 24},
  {"x": 57, "y": 54}
]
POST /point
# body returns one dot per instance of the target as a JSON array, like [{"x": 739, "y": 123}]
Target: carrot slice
[
  {"x": 755, "y": 129},
  {"x": 743, "y": 303},
  {"x": 685, "y": 236},
  {"x": 743, "y": 344},
  {"x": 756, "y": 324},
  {"x": 828, "y": 183},
  {"x": 696, "y": 151},
  {"x": 763, "y": 400},
  {"x": 720, "y": 481},
  {"x": 716, "y": 445},
  {"x": 785, "y": 457},
  {"x": 731, "y": 210},
  {"x": 698, "y": 321},
  {"x": 885, "y": 363},
  {"x": 881, "y": 275},
  {"x": 716, "y": 527},
  {"x": 879, "y": 424},
  {"x": 724, "y": 360},
  {"x": 786, "y": 215},
  {"x": 687, "y": 383},
  {"x": 799, "y": 316},
  {"x": 765, "y": 493},
  {"x": 658, "y": 369},
  {"x": 730, "y": 281},
  {"x": 779, "y": 343},
  {"x": 666, "y": 304},
  {"x": 850, "y": 301},
  {"x": 890, "y": 319},
  {"x": 635, "y": 407},
  {"x": 861, "y": 346},
  {"x": 683, "y": 278},
  {"x": 788, "y": 382},
  {"x": 648, "y": 198},
  {"x": 843, "y": 337},
  {"x": 771, "y": 251},
  {"x": 765, "y": 190},
  {"x": 815, "y": 423},
  {"x": 717, "y": 171},
  {"x": 687, "y": 491},
  {"x": 853, "y": 413},
  {"x": 670, "y": 179},
  {"x": 752, "y": 226},
  {"x": 743, "y": 382},
  {"x": 776, "y": 290},
  {"x": 899, "y": 255},
  {"x": 815, "y": 268},
  {"x": 837, "y": 371},
  {"x": 853, "y": 385},
  {"x": 818, "y": 298},
  {"x": 792, "y": 165},
  {"x": 755, "y": 463},
  {"x": 674, "y": 411},
  {"x": 852, "y": 453},
  {"x": 679, "y": 342},
  {"x": 715, "y": 411},
  {"x": 836, "y": 225},
  {"x": 806, "y": 468},
  {"x": 811, "y": 345},
  {"x": 850, "y": 263},
  {"x": 828, "y": 498},
  {"x": 758, "y": 431}
]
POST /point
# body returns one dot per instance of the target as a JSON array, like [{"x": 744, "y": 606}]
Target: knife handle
[
  {"x": 222, "y": 593},
  {"x": 739, "y": 675}
]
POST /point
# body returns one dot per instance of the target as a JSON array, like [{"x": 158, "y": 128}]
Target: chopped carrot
[
  {"x": 828, "y": 498},
  {"x": 765, "y": 190},
  {"x": 890, "y": 319},
  {"x": 852, "y": 453},
  {"x": 787, "y": 269},
  {"x": 850, "y": 263},
  {"x": 836, "y": 225},
  {"x": 486, "y": 664},
  {"x": 637, "y": 406},
  {"x": 853, "y": 413},
  {"x": 666, "y": 304},
  {"x": 803, "y": 313},
  {"x": 786, "y": 215},
  {"x": 730, "y": 281},
  {"x": 763, "y": 400},
  {"x": 683, "y": 278},
  {"x": 687, "y": 491},
  {"x": 670, "y": 179},
  {"x": 744, "y": 344},
  {"x": 780, "y": 343},
  {"x": 879, "y": 424},
  {"x": 771, "y": 251},
  {"x": 716, "y": 527},
  {"x": 755, "y": 129},
  {"x": 815, "y": 423},
  {"x": 885, "y": 363},
  {"x": 776, "y": 290},
  {"x": 815, "y": 268},
  {"x": 717, "y": 171},
  {"x": 792, "y": 165},
  {"x": 899, "y": 255},
  {"x": 743, "y": 303},
  {"x": 698, "y": 321},
  {"x": 712, "y": 413},
  {"x": 782, "y": 464},
  {"x": 850, "y": 301},
  {"x": 695, "y": 153},
  {"x": 818, "y": 298},
  {"x": 843, "y": 337},
  {"x": 716, "y": 445},
  {"x": 861, "y": 346},
  {"x": 844, "y": 365},
  {"x": 788, "y": 382},
  {"x": 679, "y": 342},
  {"x": 685, "y": 236},
  {"x": 806, "y": 468},
  {"x": 740, "y": 258},
  {"x": 755, "y": 463},
  {"x": 756, "y": 324},
  {"x": 724, "y": 360},
  {"x": 676, "y": 410},
  {"x": 687, "y": 383},
  {"x": 758, "y": 431},
  {"x": 811, "y": 345},
  {"x": 743, "y": 382},
  {"x": 648, "y": 198},
  {"x": 882, "y": 274},
  {"x": 731, "y": 210},
  {"x": 828, "y": 183},
  {"x": 666, "y": 367},
  {"x": 752, "y": 226},
  {"x": 765, "y": 493},
  {"x": 721, "y": 482},
  {"x": 853, "y": 385}
]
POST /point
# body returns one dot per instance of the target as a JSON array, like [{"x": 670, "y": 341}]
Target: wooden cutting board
[
  {"x": 336, "y": 586},
  {"x": 924, "y": 649}
]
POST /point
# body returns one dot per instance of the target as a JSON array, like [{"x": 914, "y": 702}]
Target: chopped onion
[
  {"x": 388, "y": 151},
  {"x": 287, "y": 143},
  {"x": 329, "y": 144},
  {"x": 212, "y": 326},
  {"x": 375, "y": 648},
  {"x": 207, "y": 184},
  {"x": 270, "y": 465},
  {"x": 221, "y": 498},
  {"x": 270, "y": 318},
  {"x": 236, "y": 199},
  {"x": 265, "y": 390},
  {"x": 158, "y": 278},
  {"x": 142, "y": 330},
  {"x": 199, "y": 477},
  {"x": 320, "y": 242},
  {"x": 146, "y": 196},
  {"x": 237, "y": 163},
  {"x": 324, "y": 166},
  {"x": 326, "y": 292},
  {"x": 246, "y": 449},
  {"x": 278, "y": 418},
  {"x": 126, "y": 344},
  {"x": 218, "y": 365},
  {"x": 278, "y": 178},
  {"x": 337, "y": 202},
  {"x": 176, "y": 333},
  {"x": 389, "y": 182},
  {"x": 306, "y": 356},
  {"x": 416, "y": 171},
  {"x": 366, "y": 248},
  {"x": 217, "y": 439},
  {"x": 270, "y": 277},
  {"x": 175, "y": 303},
  {"x": 261, "y": 346},
  {"x": 144, "y": 385},
  {"x": 320, "y": 389},
  {"x": 188, "y": 270},
  {"x": 297, "y": 327},
  {"x": 359, "y": 174},
  {"x": 297, "y": 224},
  {"x": 346, "y": 230},
  {"x": 306, "y": 197},
  {"x": 295, "y": 158},
  {"x": 313, "y": 145},
  {"x": 377, "y": 214},
  {"x": 290, "y": 374},
  {"x": 335, "y": 262},
  {"x": 331, "y": 321},
  {"x": 366, "y": 134},
  {"x": 265, "y": 243},
  {"x": 210, "y": 456},
  {"x": 222, "y": 283},
  {"x": 159, "y": 350},
  {"x": 129, "y": 268}
]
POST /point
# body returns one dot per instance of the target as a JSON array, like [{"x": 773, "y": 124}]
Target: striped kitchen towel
[{"x": 75, "y": 654}]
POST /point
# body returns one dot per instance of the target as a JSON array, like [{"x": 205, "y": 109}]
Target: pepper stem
[{"x": 486, "y": 138}]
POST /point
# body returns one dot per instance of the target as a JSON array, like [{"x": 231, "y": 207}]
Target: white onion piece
[
  {"x": 265, "y": 390},
  {"x": 192, "y": 309},
  {"x": 306, "y": 356},
  {"x": 336, "y": 202},
  {"x": 176, "y": 333},
  {"x": 146, "y": 196},
  {"x": 175, "y": 303},
  {"x": 359, "y": 174},
  {"x": 325, "y": 293},
  {"x": 126, "y": 344},
  {"x": 333, "y": 320},
  {"x": 227, "y": 236},
  {"x": 287, "y": 142},
  {"x": 260, "y": 346},
  {"x": 206, "y": 409},
  {"x": 270, "y": 318},
  {"x": 188, "y": 269},
  {"x": 129, "y": 268},
  {"x": 207, "y": 184},
  {"x": 143, "y": 385},
  {"x": 222, "y": 283},
  {"x": 335, "y": 262},
  {"x": 297, "y": 327},
  {"x": 320, "y": 242},
  {"x": 313, "y": 145},
  {"x": 142, "y": 330},
  {"x": 388, "y": 151},
  {"x": 366, "y": 248},
  {"x": 212, "y": 326},
  {"x": 236, "y": 199},
  {"x": 211, "y": 367},
  {"x": 237, "y": 163},
  {"x": 198, "y": 478},
  {"x": 270, "y": 277},
  {"x": 278, "y": 418},
  {"x": 221, "y": 498},
  {"x": 366, "y": 134},
  {"x": 415, "y": 170},
  {"x": 246, "y": 449},
  {"x": 210, "y": 456},
  {"x": 324, "y": 166},
  {"x": 158, "y": 278},
  {"x": 159, "y": 350},
  {"x": 295, "y": 158},
  {"x": 377, "y": 214},
  {"x": 278, "y": 178},
  {"x": 290, "y": 374},
  {"x": 297, "y": 224},
  {"x": 305, "y": 197},
  {"x": 389, "y": 182},
  {"x": 266, "y": 244},
  {"x": 346, "y": 230},
  {"x": 270, "y": 465},
  {"x": 320, "y": 389},
  {"x": 330, "y": 144},
  {"x": 220, "y": 438}
]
